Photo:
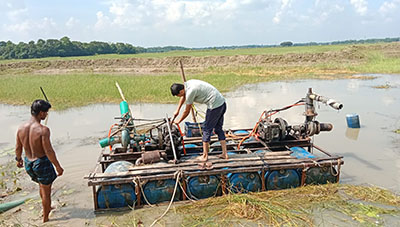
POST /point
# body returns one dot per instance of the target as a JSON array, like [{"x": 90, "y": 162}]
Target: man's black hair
[
  {"x": 39, "y": 105},
  {"x": 176, "y": 88}
]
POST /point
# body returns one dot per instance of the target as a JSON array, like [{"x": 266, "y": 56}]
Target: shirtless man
[{"x": 40, "y": 157}]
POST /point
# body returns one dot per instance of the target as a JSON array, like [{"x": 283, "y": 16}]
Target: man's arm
[
  {"x": 185, "y": 113},
  {"x": 181, "y": 102},
  {"x": 18, "y": 152},
  {"x": 48, "y": 149}
]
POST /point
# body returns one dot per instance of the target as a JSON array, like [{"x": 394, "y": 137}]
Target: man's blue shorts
[
  {"x": 41, "y": 170},
  {"x": 214, "y": 120}
]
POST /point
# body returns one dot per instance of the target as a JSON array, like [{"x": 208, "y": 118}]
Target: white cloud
[
  {"x": 45, "y": 25},
  {"x": 131, "y": 14},
  {"x": 14, "y": 10},
  {"x": 72, "y": 22},
  {"x": 360, "y": 6},
  {"x": 284, "y": 4},
  {"x": 389, "y": 6},
  {"x": 103, "y": 22}
]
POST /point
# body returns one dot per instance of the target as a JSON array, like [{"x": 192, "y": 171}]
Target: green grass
[
  {"x": 66, "y": 91},
  {"x": 20, "y": 85},
  {"x": 378, "y": 63}
]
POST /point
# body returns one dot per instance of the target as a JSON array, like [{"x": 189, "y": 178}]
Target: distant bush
[{"x": 286, "y": 44}]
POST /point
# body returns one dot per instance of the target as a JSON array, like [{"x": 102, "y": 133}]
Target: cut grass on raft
[{"x": 296, "y": 207}]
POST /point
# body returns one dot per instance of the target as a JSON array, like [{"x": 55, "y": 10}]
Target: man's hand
[
  {"x": 177, "y": 122},
  {"x": 20, "y": 163},
  {"x": 59, "y": 170}
]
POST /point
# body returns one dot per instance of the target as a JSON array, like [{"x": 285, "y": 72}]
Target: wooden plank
[
  {"x": 248, "y": 163},
  {"x": 212, "y": 172}
]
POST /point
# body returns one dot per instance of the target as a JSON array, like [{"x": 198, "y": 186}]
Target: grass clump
[{"x": 296, "y": 207}]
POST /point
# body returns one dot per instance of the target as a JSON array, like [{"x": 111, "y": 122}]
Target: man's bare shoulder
[
  {"x": 45, "y": 130},
  {"x": 23, "y": 127}
]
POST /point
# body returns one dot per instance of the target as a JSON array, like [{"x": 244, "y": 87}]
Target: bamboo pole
[{"x": 184, "y": 80}]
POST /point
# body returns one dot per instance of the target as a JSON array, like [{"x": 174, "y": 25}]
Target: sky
[{"x": 199, "y": 23}]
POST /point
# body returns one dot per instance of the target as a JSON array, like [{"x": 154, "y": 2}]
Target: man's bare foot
[
  {"x": 223, "y": 156},
  {"x": 201, "y": 159},
  {"x": 45, "y": 219}
]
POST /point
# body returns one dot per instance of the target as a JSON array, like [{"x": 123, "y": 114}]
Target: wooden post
[
  {"x": 184, "y": 80},
  {"x": 184, "y": 186},
  {"x": 263, "y": 188},
  {"x": 96, "y": 205},
  {"x": 303, "y": 176},
  {"x": 138, "y": 193},
  {"x": 223, "y": 184}
]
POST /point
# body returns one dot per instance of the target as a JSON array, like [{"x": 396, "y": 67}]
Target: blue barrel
[
  {"x": 190, "y": 149},
  {"x": 216, "y": 148},
  {"x": 300, "y": 152},
  {"x": 241, "y": 132},
  {"x": 353, "y": 121},
  {"x": 158, "y": 191},
  {"x": 321, "y": 175},
  {"x": 245, "y": 182},
  {"x": 202, "y": 187},
  {"x": 116, "y": 196},
  {"x": 282, "y": 179},
  {"x": 261, "y": 152},
  {"x": 219, "y": 144}
]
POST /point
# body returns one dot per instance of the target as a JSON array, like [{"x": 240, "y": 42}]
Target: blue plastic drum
[
  {"x": 353, "y": 121},
  {"x": 158, "y": 191},
  {"x": 300, "y": 152},
  {"x": 245, "y": 182},
  {"x": 282, "y": 179},
  {"x": 116, "y": 196},
  {"x": 202, "y": 187}
]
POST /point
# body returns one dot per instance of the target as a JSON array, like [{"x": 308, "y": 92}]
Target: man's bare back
[
  {"x": 40, "y": 157},
  {"x": 30, "y": 135}
]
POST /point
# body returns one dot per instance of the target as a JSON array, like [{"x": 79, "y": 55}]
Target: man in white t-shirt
[{"x": 202, "y": 92}]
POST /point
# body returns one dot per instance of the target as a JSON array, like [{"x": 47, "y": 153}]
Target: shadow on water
[{"x": 371, "y": 153}]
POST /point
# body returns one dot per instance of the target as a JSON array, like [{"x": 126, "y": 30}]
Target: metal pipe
[
  {"x": 170, "y": 136},
  {"x": 331, "y": 102}
]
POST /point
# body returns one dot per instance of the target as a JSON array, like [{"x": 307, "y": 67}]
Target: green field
[
  {"x": 203, "y": 53},
  {"x": 21, "y": 79}
]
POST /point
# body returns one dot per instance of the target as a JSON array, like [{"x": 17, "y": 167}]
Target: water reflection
[{"x": 352, "y": 133}]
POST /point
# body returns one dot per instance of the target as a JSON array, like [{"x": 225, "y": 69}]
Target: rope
[
  {"x": 187, "y": 196},
  {"x": 140, "y": 185},
  {"x": 331, "y": 169},
  {"x": 177, "y": 175},
  {"x": 198, "y": 123},
  {"x": 316, "y": 163},
  {"x": 197, "y": 112}
]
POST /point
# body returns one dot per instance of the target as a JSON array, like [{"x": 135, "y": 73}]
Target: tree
[{"x": 286, "y": 44}]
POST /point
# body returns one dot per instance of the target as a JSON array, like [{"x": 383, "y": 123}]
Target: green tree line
[{"x": 66, "y": 48}]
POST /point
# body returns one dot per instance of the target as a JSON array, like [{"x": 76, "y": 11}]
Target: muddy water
[{"x": 371, "y": 153}]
